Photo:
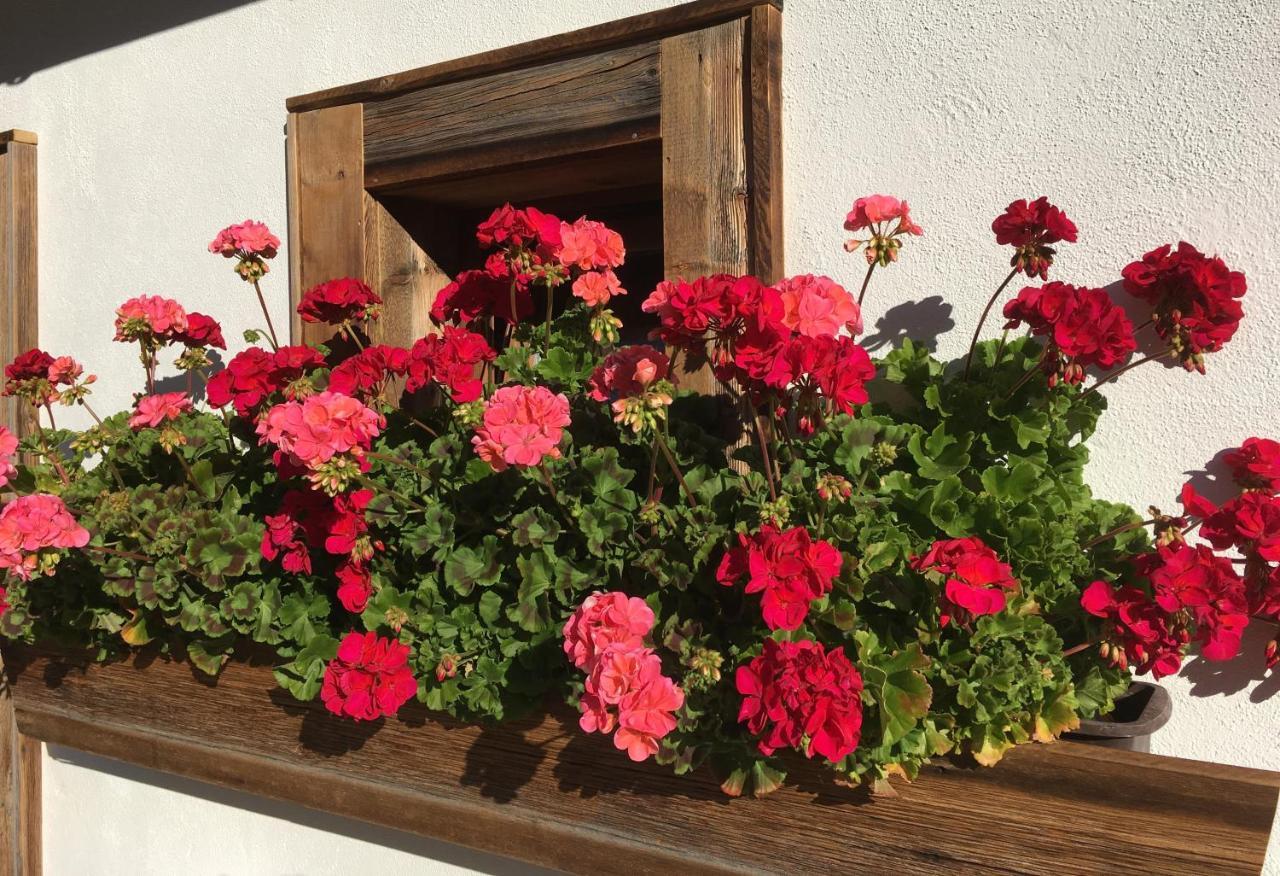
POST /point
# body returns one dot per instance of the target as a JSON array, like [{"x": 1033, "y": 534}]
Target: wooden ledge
[
  {"x": 17, "y": 135},
  {"x": 540, "y": 791},
  {"x": 588, "y": 40}
]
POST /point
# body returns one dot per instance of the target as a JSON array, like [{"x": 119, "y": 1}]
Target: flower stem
[
  {"x": 973, "y": 345},
  {"x": 271, "y": 329},
  {"x": 1027, "y": 376},
  {"x": 128, "y": 555},
  {"x": 1114, "y": 532},
  {"x": 862, "y": 293},
  {"x": 381, "y": 488},
  {"x": 551, "y": 300},
  {"x": 92, "y": 412},
  {"x": 764, "y": 454},
  {"x": 1114, "y": 374},
  {"x": 675, "y": 468},
  {"x": 1078, "y": 648}
]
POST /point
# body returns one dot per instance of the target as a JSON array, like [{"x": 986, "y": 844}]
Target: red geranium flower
[
  {"x": 788, "y": 568},
  {"x": 1194, "y": 579},
  {"x": 975, "y": 578},
  {"x": 201, "y": 331},
  {"x": 355, "y": 586},
  {"x": 369, "y": 678},
  {"x": 255, "y": 374},
  {"x": 366, "y": 373},
  {"x": 1083, "y": 328},
  {"x": 450, "y": 360},
  {"x": 798, "y": 695},
  {"x": 336, "y": 302},
  {"x": 1030, "y": 227},
  {"x": 1137, "y": 632},
  {"x": 478, "y": 294},
  {"x": 1256, "y": 464},
  {"x": 1194, "y": 298}
]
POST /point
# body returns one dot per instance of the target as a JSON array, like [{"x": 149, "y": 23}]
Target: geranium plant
[{"x": 864, "y": 562}]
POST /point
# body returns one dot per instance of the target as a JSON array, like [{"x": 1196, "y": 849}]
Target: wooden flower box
[{"x": 541, "y": 791}]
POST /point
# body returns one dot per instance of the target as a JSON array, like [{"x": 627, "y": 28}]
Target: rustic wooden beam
[
  {"x": 20, "y": 803},
  {"x": 599, "y": 38},
  {"x": 764, "y": 143},
  {"x": 539, "y": 790},
  {"x": 704, "y": 161},
  {"x": 563, "y": 98},
  {"x": 326, "y": 203}
]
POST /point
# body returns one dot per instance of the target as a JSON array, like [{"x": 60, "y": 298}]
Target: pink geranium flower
[
  {"x": 155, "y": 410},
  {"x": 597, "y": 287},
  {"x": 522, "y": 426},
  {"x": 8, "y": 451},
  {"x": 589, "y": 245},
  {"x": 150, "y": 315},
  {"x": 646, "y": 715},
  {"x": 246, "y": 239},
  {"x": 320, "y": 427},
  {"x": 32, "y": 528},
  {"x": 818, "y": 306},
  {"x": 602, "y": 620}
]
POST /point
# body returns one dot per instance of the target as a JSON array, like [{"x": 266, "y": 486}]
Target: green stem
[
  {"x": 764, "y": 454},
  {"x": 675, "y": 468},
  {"x": 380, "y": 488},
  {"x": 862, "y": 293},
  {"x": 973, "y": 345},
  {"x": 550, "y": 308},
  {"x": 271, "y": 329},
  {"x": 1114, "y": 532}
]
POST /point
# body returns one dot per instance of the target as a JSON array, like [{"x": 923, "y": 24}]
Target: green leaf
[
  {"x": 209, "y": 656},
  {"x": 941, "y": 455},
  {"x": 1012, "y": 485},
  {"x": 468, "y": 567},
  {"x": 534, "y": 528}
]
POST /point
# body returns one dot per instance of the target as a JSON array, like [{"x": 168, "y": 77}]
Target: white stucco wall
[{"x": 1147, "y": 121}]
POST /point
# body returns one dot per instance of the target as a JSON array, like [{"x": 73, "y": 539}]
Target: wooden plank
[
  {"x": 704, "y": 162},
  {"x": 602, "y": 37},
  {"x": 401, "y": 272},
  {"x": 326, "y": 206},
  {"x": 616, "y": 88},
  {"x": 541, "y": 791},
  {"x": 764, "y": 143},
  {"x": 19, "y": 331}
]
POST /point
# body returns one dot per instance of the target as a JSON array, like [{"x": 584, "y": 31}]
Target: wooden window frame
[
  {"x": 701, "y": 80},
  {"x": 20, "y": 804}
]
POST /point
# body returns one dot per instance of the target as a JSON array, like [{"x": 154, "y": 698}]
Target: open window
[{"x": 665, "y": 126}]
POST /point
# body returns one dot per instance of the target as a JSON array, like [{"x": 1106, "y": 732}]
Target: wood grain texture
[
  {"x": 704, "y": 161},
  {"x": 400, "y": 271},
  {"x": 20, "y": 802},
  {"x": 541, "y": 791},
  {"x": 611, "y": 89},
  {"x": 326, "y": 203},
  {"x": 599, "y": 38},
  {"x": 764, "y": 143}
]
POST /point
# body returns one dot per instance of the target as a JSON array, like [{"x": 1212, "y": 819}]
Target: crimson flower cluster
[
  {"x": 625, "y": 689},
  {"x": 451, "y": 360},
  {"x": 974, "y": 580},
  {"x": 788, "y": 568},
  {"x": 369, "y": 678},
  {"x": 308, "y": 518},
  {"x": 1194, "y": 298},
  {"x": 339, "y": 302},
  {"x": 783, "y": 351},
  {"x": 1031, "y": 228},
  {"x": 1083, "y": 328},
  {"x": 254, "y": 376},
  {"x": 799, "y": 695}
]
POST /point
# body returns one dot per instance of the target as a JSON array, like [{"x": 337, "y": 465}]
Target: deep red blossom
[
  {"x": 715, "y": 304},
  {"x": 1194, "y": 298},
  {"x": 506, "y": 226},
  {"x": 452, "y": 360},
  {"x": 1250, "y": 523},
  {"x": 366, "y": 373},
  {"x": 1193, "y": 579},
  {"x": 1137, "y": 632},
  {"x": 369, "y": 678},
  {"x": 1256, "y": 464},
  {"x": 975, "y": 581},
  {"x": 31, "y": 365},
  {"x": 308, "y": 518},
  {"x": 1083, "y": 328},
  {"x": 1031, "y": 227},
  {"x": 201, "y": 331},
  {"x": 355, "y": 586},
  {"x": 478, "y": 294},
  {"x": 255, "y": 374},
  {"x": 798, "y": 695},
  {"x": 788, "y": 568},
  {"x": 340, "y": 301}
]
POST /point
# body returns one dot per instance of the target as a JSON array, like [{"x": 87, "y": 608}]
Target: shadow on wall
[
  {"x": 1211, "y": 678},
  {"x": 428, "y": 849},
  {"x": 923, "y": 321},
  {"x": 38, "y": 34}
]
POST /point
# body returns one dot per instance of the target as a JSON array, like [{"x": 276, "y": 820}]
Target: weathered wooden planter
[{"x": 540, "y": 791}]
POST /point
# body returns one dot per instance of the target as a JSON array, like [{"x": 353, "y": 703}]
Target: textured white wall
[{"x": 1147, "y": 121}]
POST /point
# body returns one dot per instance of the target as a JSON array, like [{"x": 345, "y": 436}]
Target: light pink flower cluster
[
  {"x": 149, "y": 315},
  {"x": 32, "y": 529},
  {"x": 155, "y": 410},
  {"x": 597, "y": 287},
  {"x": 320, "y": 429},
  {"x": 818, "y": 306},
  {"x": 876, "y": 214},
  {"x": 245, "y": 240},
  {"x": 522, "y": 426},
  {"x": 8, "y": 451},
  {"x": 590, "y": 245},
  {"x": 625, "y": 688}
]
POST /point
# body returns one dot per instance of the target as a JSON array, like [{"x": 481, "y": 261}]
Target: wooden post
[
  {"x": 19, "y": 755},
  {"x": 326, "y": 203}
]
